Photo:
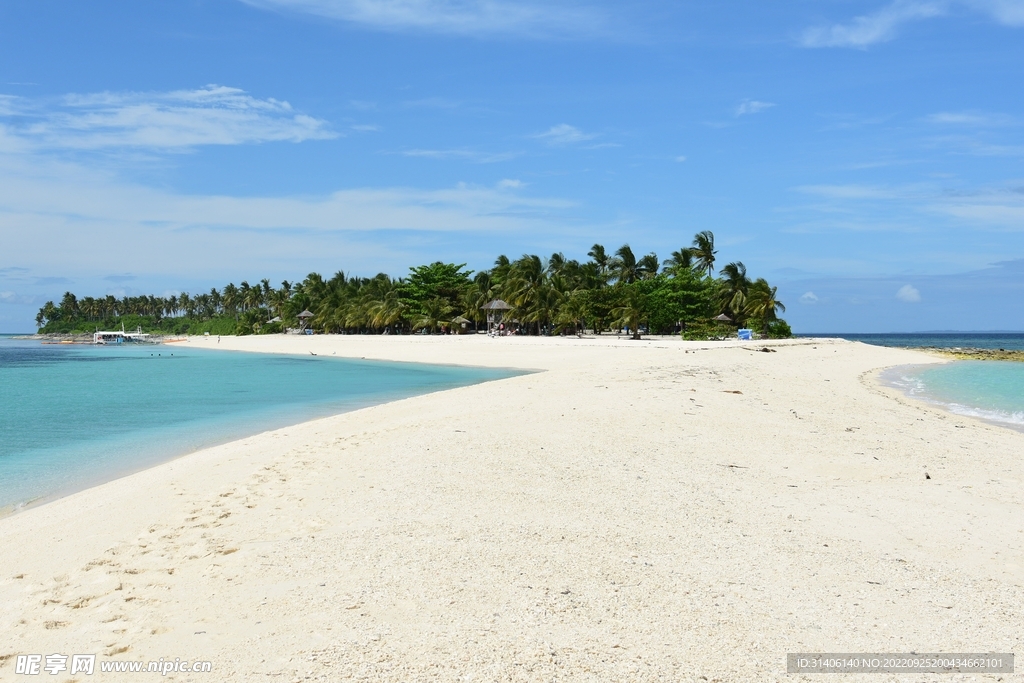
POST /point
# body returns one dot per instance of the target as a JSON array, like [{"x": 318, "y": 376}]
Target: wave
[{"x": 915, "y": 387}]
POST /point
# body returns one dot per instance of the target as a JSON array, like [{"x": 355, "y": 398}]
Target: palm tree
[
  {"x": 435, "y": 313},
  {"x": 628, "y": 269},
  {"x": 680, "y": 260},
  {"x": 599, "y": 256},
  {"x": 624, "y": 265},
  {"x": 573, "y": 313},
  {"x": 630, "y": 312},
  {"x": 735, "y": 287},
  {"x": 704, "y": 251},
  {"x": 647, "y": 266},
  {"x": 763, "y": 304}
]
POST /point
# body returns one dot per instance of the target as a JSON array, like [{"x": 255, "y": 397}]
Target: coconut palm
[
  {"x": 599, "y": 257},
  {"x": 573, "y": 313},
  {"x": 680, "y": 260},
  {"x": 436, "y": 312},
  {"x": 630, "y": 312},
  {"x": 735, "y": 287},
  {"x": 703, "y": 251},
  {"x": 763, "y": 304}
]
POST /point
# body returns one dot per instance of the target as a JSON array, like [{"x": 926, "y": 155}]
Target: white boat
[{"x": 121, "y": 337}]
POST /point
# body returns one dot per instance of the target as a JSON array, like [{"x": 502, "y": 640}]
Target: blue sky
[{"x": 864, "y": 156}]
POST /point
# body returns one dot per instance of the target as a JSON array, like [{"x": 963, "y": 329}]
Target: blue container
[{"x": 745, "y": 334}]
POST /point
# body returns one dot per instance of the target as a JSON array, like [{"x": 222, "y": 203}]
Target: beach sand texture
[{"x": 635, "y": 511}]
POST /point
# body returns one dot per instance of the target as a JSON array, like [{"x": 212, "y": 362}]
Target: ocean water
[
  {"x": 75, "y": 416},
  {"x": 979, "y": 340},
  {"x": 990, "y": 390}
]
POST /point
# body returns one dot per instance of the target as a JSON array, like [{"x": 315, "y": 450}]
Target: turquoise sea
[
  {"x": 990, "y": 390},
  {"x": 945, "y": 340},
  {"x": 75, "y": 416}
]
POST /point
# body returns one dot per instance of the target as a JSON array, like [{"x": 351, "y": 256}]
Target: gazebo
[
  {"x": 495, "y": 313},
  {"x": 304, "y": 318}
]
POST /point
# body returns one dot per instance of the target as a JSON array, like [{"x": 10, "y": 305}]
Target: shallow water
[
  {"x": 75, "y": 416},
  {"x": 944, "y": 340},
  {"x": 990, "y": 390}
]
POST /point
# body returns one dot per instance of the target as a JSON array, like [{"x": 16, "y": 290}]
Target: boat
[{"x": 122, "y": 337}]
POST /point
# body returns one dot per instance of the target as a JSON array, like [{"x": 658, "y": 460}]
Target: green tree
[
  {"x": 734, "y": 291},
  {"x": 437, "y": 280},
  {"x": 763, "y": 304},
  {"x": 703, "y": 251},
  {"x": 435, "y": 312},
  {"x": 632, "y": 309}
]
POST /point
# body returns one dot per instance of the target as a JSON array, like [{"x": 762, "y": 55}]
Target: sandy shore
[{"x": 636, "y": 511}]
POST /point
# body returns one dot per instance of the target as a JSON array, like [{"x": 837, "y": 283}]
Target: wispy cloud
[
  {"x": 884, "y": 24},
  {"x": 564, "y": 134},
  {"x": 13, "y": 298},
  {"x": 1006, "y": 12},
  {"x": 752, "y": 107},
  {"x": 549, "y": 19},
  {"x": 872, "y": 28},
  {"x": 68, "y": 195},
  {"x": 213, "y": 115},
  {"x": 365, "y": 128},
  {"x": 969, "y": 118},
  {"x": 852, "y": 191},
  {"x": 463, "y": 154},
  {"x": 990, "y": 208}
]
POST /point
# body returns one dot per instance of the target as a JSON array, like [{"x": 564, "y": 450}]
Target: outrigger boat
[{"x": 121, "y": 337}]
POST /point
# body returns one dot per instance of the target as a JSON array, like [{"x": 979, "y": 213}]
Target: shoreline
[
  {"x": 166, "y": 444},
  {"x": 633, "y": 511}
]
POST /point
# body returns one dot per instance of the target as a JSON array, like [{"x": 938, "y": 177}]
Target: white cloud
[
  {"x": 872, "y": 28},
  {"x": 510, "y": 184},
  {"x": 366, "y": 128},
  {"x": 16, "y": 299},
  {"x": 1006, "y": 12},
  {"x": 752, "y": 107},
  {"x": 8, "y": 105},
  {"x": 459, "y": 17},
  {"x": 969, "y": 119},
  {"x": 214, "y": 115},
  {"x": 908, "y": 294},
  {"x": 1003, "y": 214},
  {"x": 465, "y": 154},
  {"x": 809, "y": 298},
  {"x": 85, "y": 223},
  {"x": 564, "y": 134},
  {"x": 852, "y": 191},
  {"x": 883, "y": 25},
  {"x": 681, "y": 158}
]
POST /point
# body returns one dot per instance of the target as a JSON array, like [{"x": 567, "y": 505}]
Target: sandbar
[{"x": 632, "y": 511}]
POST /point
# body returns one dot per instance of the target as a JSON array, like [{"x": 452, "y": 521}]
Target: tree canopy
[{"x": 555, "y": 295}]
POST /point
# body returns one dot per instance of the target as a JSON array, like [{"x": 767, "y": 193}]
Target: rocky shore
[{"x": 977, "y": 354}]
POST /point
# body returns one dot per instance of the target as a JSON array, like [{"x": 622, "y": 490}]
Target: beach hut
[
  {"x": 462, "y": 324},
  {"x": 304, "y": 318},
  {"x": 722, "y": 318},
  {"x": 495, "y": 313}
]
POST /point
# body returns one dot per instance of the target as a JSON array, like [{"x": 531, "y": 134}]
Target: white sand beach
[{"x": 634, "y": 511}]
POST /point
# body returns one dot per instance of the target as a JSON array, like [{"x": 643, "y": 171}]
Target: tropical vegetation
[{"x": 608, "y": 292}]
